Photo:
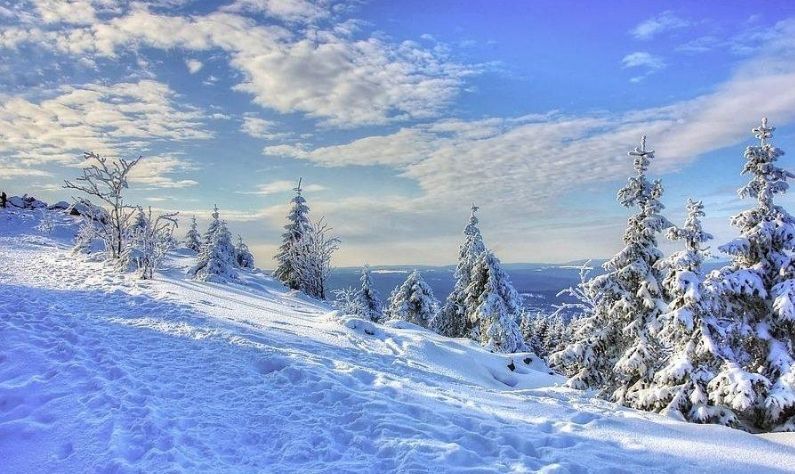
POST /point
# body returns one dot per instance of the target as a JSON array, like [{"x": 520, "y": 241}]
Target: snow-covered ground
[{"x": 103, "y": 373}]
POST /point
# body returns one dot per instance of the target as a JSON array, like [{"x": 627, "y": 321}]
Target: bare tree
[
  {"x": 313, "y": 257},
  {"x": 107, "y": 180}
]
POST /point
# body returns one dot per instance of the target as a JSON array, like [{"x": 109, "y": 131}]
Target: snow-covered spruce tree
[
  {"x": 496, "y": 306},
  {"x": 554, "y": 337},
  {"x": 293, "y": 239},
  {"x": 192, "y": 238},
  {"x": 614, "y": 348},
  {"x": 413, "y": 301},
  {"x": 527, "y": 327},
  {"x": 216, "y": 259},
  {"x": 533, "y": 328},
  {"x": 243, "y": 256},
  {"x": 690, "y": 332},
  {"x": 367, "y": 300},
  {"x": 107, "y": 180},
  {"x": 452, "y": 319},
  {"x": 759, "y": 288}
]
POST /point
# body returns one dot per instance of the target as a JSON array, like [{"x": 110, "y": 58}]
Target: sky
[{"x": 399, "y": 115}]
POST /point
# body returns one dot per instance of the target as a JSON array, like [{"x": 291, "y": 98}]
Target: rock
[
  {"x": 16, "y": 201},
  {"x": 83, "y": 207},
  {"x": 26, "y": 202},
  {"x": 59, "y": 205}
]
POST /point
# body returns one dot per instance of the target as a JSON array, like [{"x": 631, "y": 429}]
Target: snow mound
[{"x": 103, "y": 373}]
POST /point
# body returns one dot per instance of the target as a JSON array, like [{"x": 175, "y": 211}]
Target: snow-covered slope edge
[{"x": 99, "y": 372}]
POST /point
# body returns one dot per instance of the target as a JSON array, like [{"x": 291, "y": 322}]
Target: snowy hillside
[{"x": 100, "y": 372}]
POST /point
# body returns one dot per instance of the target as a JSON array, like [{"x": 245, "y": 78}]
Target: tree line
[{"x": 652, "y": 332}]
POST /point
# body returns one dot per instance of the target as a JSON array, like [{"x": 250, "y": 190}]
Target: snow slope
[{"x": 103, "y": 373}]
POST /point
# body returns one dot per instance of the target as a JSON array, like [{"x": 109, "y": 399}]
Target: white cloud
[
  {"x": 260, "y": 128},
  {"x": 522, "y": 167},
  {"x": 643, "y": 59},
  {"x": 8, "y": 172},
  {"x": 663, "y": 22},
  {"x": 288, "y": 10},
  {"x": 157, "y": 171},
  {"x": 194, "y": 65},
  {"x": 284, "y": 186},
  {"x": 66, "y": 11},
  {"x": 646, "y": 61},
  {"x": 116, "y": 119},
  {"x": 401, "y": 148},
  {"x": 324, "y": 73}
]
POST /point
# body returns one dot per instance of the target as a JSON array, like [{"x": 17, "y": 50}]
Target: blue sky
[{"x": 399, "y": 115}]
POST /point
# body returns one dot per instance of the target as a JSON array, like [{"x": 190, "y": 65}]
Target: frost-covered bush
[
  {"x": 46, "y": 223},
  {"x": 149, "y": 240},
  {"x": 345, "y": 300}
]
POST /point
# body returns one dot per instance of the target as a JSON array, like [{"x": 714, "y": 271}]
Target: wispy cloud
[
  {"x": 260, "y": 128},
  {"x": 643, "y": 59},
  {"x": 640, "y": 59},
  {"x": 665, "y": 21},
  {"x": 283, "y": 186}
]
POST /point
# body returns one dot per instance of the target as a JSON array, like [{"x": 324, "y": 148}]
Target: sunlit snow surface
[{"x": 103, "y": 373}]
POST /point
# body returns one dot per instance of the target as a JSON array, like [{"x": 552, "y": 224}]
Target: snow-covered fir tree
[
  {"x": 413, "y": 301},
  {"x": 367, "y": 301},
  {"x": 243, "y": 256},
  {"x": 614, "y": 349},
  {"x": 293, "y": 242},
  {"x": 759, "y": 289},
  {"x": 452, "y": 319},
  {"x": 690, "y": 331},
  {"x": 495, "y": 306},
  {"x": 216, "y": 259},
  {"x": 192, "y": 237}
]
